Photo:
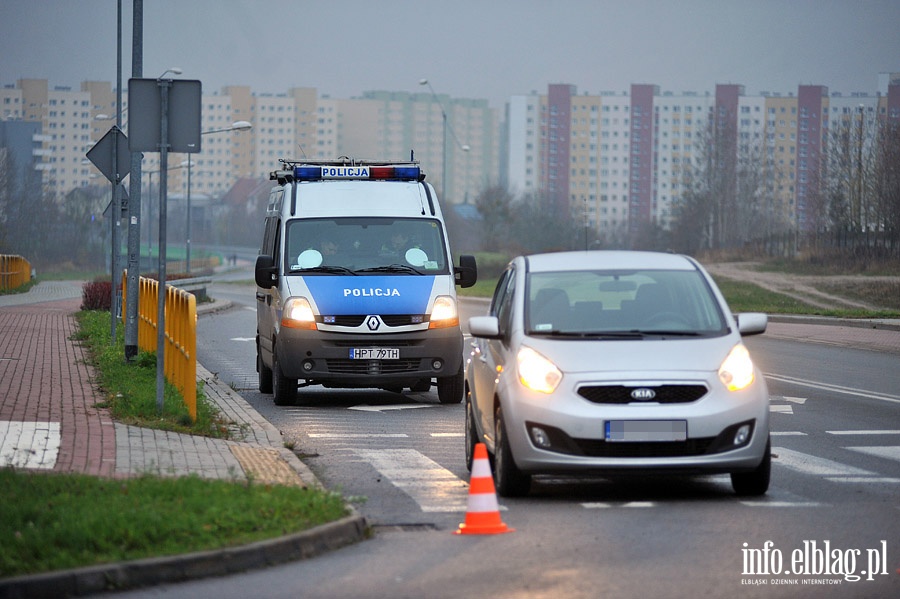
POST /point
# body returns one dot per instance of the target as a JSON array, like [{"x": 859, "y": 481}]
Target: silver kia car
[{"x": 609, "y": 361}]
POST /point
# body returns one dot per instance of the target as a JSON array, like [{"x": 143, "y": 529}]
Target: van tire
[
  {"x": 284, "y": 388},
  {"x": 264, "y": 374},
  {"x": 450, "y": 388}
]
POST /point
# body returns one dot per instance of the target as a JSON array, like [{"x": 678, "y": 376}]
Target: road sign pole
[{"x": 164, "y": 85}]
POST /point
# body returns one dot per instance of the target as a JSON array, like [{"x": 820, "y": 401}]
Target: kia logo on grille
[{"x": 643, "y": 394}]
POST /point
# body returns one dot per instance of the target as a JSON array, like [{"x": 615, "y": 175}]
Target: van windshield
[{"x": 364, "y": 245}]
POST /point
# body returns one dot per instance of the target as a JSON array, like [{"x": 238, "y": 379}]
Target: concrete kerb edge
[
  {"x": 860, "y": 323},
  {"x": 180, "y": 568}
]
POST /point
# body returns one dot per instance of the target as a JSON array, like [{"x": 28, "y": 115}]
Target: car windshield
[
  {"x": 363, "y": 245},
  {"x": 676, "y": 303}
]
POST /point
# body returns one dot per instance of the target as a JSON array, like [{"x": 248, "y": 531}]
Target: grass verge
[
  {"x": 55, "y": 521},
  {"x": 52, "y": 521}
]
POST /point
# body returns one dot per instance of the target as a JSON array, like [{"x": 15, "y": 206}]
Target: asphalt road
[{"x": 831, "y": 512}]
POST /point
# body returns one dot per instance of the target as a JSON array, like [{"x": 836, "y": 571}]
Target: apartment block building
[
  {"x": 455, "y": 139},
  {"x": 618, "y": 160}
]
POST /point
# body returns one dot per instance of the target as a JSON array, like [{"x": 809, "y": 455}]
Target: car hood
[{"x": 646, "y": 355}]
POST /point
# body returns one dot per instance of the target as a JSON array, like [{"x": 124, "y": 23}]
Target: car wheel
[
  {"x": 755, "y": 482},
  {"x": 471, "y": 432},
  {"x": 510, "y": 481},
  {"x": 284, "y": 388},
  {"x": 450, "y": 388},
  {"x": 421, "y": 386},
  {"x": 264, "y": 374}
]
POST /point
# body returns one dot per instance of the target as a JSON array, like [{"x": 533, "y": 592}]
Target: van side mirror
[
  {"x": 266, "y": 273},
  {"x": 467, "y": 272}
]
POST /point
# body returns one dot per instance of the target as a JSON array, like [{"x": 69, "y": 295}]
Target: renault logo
[
  {"x": 643, "y": 394},
  {"x": 373, "y": 323}
]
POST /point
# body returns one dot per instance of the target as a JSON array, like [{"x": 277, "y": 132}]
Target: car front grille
[
  {"x": 356, "y": 320},
  {"x": 667, "y": 449},
  {"x": 621, "y": 394},
  {"x": 372, "y": 367}
]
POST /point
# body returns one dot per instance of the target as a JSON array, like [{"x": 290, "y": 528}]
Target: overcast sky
[{"x": 467, "y": 48}]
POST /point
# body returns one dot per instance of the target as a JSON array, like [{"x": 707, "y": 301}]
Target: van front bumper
[{"x": 325, "y": 358}]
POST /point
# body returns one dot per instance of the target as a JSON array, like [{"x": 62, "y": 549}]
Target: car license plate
[
  {"x": 645, "y": 430},
  {"x": 375, "y": 353}
]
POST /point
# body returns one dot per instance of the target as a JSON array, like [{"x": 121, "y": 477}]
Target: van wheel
[
  {"x": 755, "y": 482},
  {"x": 284, "y": 388},
  {"x": 450, "y": 389},
  {"x": 264, "y": 374},
  {"x": 421, "y": 386}
]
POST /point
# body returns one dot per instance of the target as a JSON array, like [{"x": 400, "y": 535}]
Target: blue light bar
[{"x": 365, "y": 173}]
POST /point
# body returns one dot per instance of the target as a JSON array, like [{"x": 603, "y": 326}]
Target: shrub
[{"x": 95, "y": 295}]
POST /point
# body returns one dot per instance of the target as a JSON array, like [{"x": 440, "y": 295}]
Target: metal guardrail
[
  {"x": 15, "y": 271},
  {"x": 180, "y": 349}
]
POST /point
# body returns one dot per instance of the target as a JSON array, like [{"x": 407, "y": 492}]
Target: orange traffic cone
[{"x": 482, "y": 512}]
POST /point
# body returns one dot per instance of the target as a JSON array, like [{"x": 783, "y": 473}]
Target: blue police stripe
[{"x": 338, "y": 295}]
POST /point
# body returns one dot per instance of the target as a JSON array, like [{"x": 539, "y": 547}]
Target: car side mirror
[
  {"x": 484, "y": 326},
  {"x": 266, "y": 273},
  {"x": 752, "y": 323},
  {"x": 467, "y": 272}
]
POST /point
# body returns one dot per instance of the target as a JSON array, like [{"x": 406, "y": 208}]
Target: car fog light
[
  {"x": 540, "y": 437},
  {"x": 742, "y": 434},
  {"x": 437, "y": 365},
  {"x": 308, "y": 365}
]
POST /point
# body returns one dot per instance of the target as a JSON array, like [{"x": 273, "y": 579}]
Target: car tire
[
  {"x": 450, "y": 388},
  {"x": 264, "y": 374},
  {"x": 755, "y": 482},
  {"x": 421, "y": 386},
  {"x": 471, "y": 432},
  {"x": 284, "y": 388},
  {"x": 509, "y": 480}
]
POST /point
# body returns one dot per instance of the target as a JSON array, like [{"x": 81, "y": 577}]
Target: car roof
[{"x": 608, "y": 260}]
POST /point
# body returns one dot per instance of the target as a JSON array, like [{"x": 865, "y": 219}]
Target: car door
[{"x": 492, "y": 353}]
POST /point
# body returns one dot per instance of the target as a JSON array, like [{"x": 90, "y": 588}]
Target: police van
[{"x": 356, "y": 284}]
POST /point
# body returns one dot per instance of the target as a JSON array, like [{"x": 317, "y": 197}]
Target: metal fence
[
  {"x": 15, "y": 271},
  {"x": 856, "y": 244},
  {"x": 180, "y": 357}
]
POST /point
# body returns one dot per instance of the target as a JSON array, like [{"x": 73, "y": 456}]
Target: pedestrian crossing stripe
[{"x": 29, "y": 444}]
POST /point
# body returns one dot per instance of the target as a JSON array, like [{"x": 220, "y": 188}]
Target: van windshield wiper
[
  {"x": 342, "y": 270},
  {"x": 393, "y": 268}
]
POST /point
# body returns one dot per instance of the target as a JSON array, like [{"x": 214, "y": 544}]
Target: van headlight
[
  {"x": 444, "y": 313},
  {"x": 736, "y": 371},
  {"x": 298, "y": 314},
  {"x": 537, "y": 372}
]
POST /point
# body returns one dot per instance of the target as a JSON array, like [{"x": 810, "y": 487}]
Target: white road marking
[
  {"x": 781, "y": 409},
  {"x": 835, "y": 388},
  {"x": 863, "y": 432},
  {"x": 429, "y": 484},
  {"x": 243, "y": 338},
  {"x": 448, "y": 435},
  {"x": 365, "y": 408},
  {"x": 29, "y": 444},
  {"x": 815, "y": 465},
  {"x": 358, "y": 436},
  {"x": 787, "y": 434},
  {"x": 889, "y": 452}
]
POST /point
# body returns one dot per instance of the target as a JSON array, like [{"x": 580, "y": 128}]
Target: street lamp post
[
  {"x": 236, "y": 126},
  {"x": 445, "y": 125}
]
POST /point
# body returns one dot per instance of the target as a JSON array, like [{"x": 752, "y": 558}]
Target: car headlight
[
  {"x": 444, "y": 313},
  {"x": 298, "y": 314},
  {"x": 736, "y": 372},
  {"x": 537, "y": 372}
]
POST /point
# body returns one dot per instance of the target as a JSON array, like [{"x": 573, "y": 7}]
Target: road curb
[
  {"x": 860, "y": 323},
  {"x": 191, "y": 566}
]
